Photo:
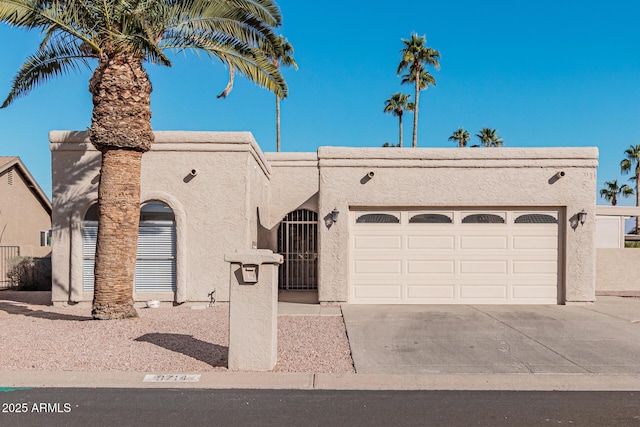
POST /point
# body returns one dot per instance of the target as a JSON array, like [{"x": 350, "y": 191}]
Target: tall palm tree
[
  {"x": 416, "y": 56},
  {"x": 461, "y": 136},
  {"x": 396, "y": 105},
  {"x": 612, "y": 190},
  {"x": 119, "y": 36},
  {"x": 489, "y": 138},
  {"x": 632, "y": 160},
  {"x": 281, "y": 56}
]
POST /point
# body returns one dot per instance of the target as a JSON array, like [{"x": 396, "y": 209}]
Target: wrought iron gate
[
  {"x": 6, "y": 253},
  {"x": 298, "y": 244}
]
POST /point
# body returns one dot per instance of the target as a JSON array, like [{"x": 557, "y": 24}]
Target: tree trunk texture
[
  {"x": 415, "y": 111},
  {"x": 400, "y": 131},
  {"x": 121, "y": 130},
  {"x": 636, "y": 231},
  {"x": 277, "y": 123},
  {"x": 118, "y": 220}
]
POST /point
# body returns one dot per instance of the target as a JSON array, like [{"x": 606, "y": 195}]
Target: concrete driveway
[{"x": 596, "y": 338}]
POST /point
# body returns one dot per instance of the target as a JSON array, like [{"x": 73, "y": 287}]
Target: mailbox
[{"x": 250, "y": 273}]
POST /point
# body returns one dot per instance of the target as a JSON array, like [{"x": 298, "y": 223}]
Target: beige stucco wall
[
  {"x": 617, "y": 269},
  {"x": 483, "y": 177},
  {"x": 294, "y": 185},
  {"x": 22, "y": 215},
  {"x": 216, "y": 211}
]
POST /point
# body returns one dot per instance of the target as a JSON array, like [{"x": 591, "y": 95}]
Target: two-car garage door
[{"x": 454, "y": 256}]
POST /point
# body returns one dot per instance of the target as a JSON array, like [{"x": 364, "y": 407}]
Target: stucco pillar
[{"x": 253, "y": 310}]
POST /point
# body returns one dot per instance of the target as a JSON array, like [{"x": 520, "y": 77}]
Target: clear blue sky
[{"x": 544, "y": 73}]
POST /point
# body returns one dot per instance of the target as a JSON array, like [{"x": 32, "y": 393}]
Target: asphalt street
[{"x": 190, "y": 407}]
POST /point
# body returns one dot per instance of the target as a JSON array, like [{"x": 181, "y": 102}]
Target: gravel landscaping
[{"x": 39, "y": 337}]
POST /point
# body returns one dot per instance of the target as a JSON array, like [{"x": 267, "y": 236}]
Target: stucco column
[{"x": 253, "y": 310}]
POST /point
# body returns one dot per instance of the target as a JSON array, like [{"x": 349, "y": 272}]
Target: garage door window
[
  {"x": 483, "y": 218},
  {"x": 430, "y": 219},
  {"x": 376, "y": 218},
  {"x": 536, "y": 219}
]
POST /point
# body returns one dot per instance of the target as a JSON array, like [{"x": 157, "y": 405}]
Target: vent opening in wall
[{"x": 10, "y": 177}]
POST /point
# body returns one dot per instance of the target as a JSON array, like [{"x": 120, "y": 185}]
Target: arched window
[{"x": 156, "y": 257}]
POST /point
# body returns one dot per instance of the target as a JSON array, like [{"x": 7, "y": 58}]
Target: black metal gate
[
  {"x": 298, "y": 244},
  {"x": 6, "y": 253}
]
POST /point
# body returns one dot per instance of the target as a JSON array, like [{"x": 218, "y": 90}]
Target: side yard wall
[{"x": 618, "y": 269}]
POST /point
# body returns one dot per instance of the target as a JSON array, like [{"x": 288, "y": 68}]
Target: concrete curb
[{"x": 325, "y": 381}]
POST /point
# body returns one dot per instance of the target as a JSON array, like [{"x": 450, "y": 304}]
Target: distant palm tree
[
  {"x": 415, "y": 58},
  {"x": 118, "y": 38},
  {"x": 632, "y": 160},
  {"x": 281, "y": 55},
  {"x": 396, "y": 105},
  {"x": 489, "y": 138},
  {"x": 612, "y": 190},
  {"x": 461, "y": 136},
  {"x": 426, "y": 79}
]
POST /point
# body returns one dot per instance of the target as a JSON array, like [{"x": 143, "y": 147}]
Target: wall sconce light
[
  {"x": 334, "y": 215},
  {"x": 582, "y": 216}
]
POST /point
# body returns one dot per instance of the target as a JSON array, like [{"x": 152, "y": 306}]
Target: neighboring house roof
[{"x": 8, "y": 162}]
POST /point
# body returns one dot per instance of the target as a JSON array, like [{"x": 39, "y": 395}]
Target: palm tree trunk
[
  {"x": 121, "y": 130},
  {"x": 118, "y": 219},
  {"x": 277, "y": 123},
  {"x": 637, "y": 196},
  {"x": 415, "y": 112},
  {"x": 400, "y": 131}
]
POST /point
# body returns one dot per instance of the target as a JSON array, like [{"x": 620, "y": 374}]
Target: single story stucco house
[
  {"x": 25, "y": 216},
  {"x": 359, "y": 225}
]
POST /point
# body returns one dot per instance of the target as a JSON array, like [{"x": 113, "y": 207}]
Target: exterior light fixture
[
  {"x": 334, "y": 215},
  {"x": 582, "y": 216}
]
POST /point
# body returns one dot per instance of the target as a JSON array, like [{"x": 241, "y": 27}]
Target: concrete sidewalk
[{"x": 322, "y": 381}]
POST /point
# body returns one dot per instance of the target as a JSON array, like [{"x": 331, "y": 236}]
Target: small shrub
[
  {"x": 30, "y": 274},
  {"x": 632, "y": 244}
]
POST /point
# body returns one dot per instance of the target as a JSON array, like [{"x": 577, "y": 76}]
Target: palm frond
[{"x": 50, "y": 61}]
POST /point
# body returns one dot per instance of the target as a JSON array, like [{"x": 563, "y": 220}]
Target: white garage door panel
[
  {"x": 483, "y": 267},
  {"x": 431, "y": 291},
  {"x": 454, "y": 262},
  {"x": 376, "y": 293},
  {"x": 535, "y": 267},
  {"x": 378, "y": 242},
  {"x": 483, "y": 292},
  {"x": 424, "y": 267},
  {"x": 535, "y": 242},
  {"x": 534, "y": 292},
  {"x": 430, "y": 242},
  {"x": 378, "y": 267},
  {"x": 483, "y": 242}
]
